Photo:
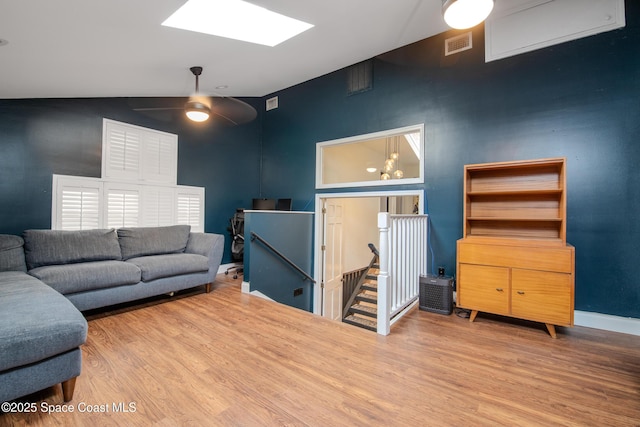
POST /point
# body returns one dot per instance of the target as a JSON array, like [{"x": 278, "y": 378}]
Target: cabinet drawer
[
  {"x": 558, "y": 259},
  {"x": 483, "y": 288},
  {"x": 542, "y": 296}
]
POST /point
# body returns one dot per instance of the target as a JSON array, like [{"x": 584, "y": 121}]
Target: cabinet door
[
  {"x": 542, "y": 296},
  {"x": 483, "y": 288}
]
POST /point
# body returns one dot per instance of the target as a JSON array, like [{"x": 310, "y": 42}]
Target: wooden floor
[{"x": 228, "y": 358}]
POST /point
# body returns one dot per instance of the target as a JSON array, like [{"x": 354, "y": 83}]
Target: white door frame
[{"x": 319, "y": 232}]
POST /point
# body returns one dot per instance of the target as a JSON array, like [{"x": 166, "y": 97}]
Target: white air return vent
[
  {"x": 272, "y": 103},
  {"x": 458, "y": 44}
]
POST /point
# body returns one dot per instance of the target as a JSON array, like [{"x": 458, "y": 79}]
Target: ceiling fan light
[
  {"x": 196, "y": 111},
  {"x": 462, "y": 14}
]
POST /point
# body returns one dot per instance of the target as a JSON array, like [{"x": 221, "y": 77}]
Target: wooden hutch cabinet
[{"x": 513, "y": 259}]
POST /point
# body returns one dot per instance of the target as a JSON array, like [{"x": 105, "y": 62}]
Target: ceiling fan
[{"x": 199, "y": 108}]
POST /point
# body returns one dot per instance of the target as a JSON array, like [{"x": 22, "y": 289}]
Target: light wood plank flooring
[{"x": 232, "y": 359}]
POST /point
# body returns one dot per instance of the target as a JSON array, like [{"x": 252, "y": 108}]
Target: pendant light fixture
[
  {"x": 391, "y": 168},
  {"x": 462, "y": 14},
  {"x": 398, "y": 174},
  {"x": 388, "y": 163}
]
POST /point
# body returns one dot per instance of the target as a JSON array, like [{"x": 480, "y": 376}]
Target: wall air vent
[
  {"x": 272, "y": 103},
  {"x": 360, "y": 78},
  {"x": 458, "y": 44}
]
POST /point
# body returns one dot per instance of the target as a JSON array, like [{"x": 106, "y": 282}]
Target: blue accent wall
[
  {"x": 41, "y": 137},
  {"x": 579, "y": 100},
  {"x": 291, "y": 234}
]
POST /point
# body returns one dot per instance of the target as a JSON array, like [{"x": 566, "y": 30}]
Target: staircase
[{"x": 362, "y": 307}]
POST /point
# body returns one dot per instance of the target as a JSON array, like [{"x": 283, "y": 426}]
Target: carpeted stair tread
[
  {"x": 367, "y": 296},
  {"x": 370, "y": 286},
  {"x": 361, "y": 322},
  {"x": 366, "y": 310}
]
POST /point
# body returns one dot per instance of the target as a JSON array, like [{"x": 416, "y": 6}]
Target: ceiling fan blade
[
  {"x": 225, "y": 110},
  {"x": 158, "y": 108},
  {"x": 233, "y": 110}
]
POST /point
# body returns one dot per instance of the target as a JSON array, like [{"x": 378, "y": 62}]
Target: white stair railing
[{"x": 403, "y": 258}]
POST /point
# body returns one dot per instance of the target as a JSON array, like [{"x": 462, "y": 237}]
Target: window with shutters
[
  {"x": 76, "y": 203},
  {"x": 136, "y": 154},
  {"x": 191, "y": 207},
  {"x": 137, "y": 189},
  {"x": 122, "y": 205},
  {"x": 120, "y": 151},
  {"x": 158, "y": 206},
  {"x": 160, "y": 157}
]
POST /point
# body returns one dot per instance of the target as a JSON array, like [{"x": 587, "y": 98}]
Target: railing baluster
[{"x": 403, "y": 250}]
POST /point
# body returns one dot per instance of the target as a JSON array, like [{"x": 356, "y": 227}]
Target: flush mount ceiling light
[
  {"x": 236, "y": 19},
  {"x": 462, "y": 14}
]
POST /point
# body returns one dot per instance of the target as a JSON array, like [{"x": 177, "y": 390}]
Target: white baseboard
[
  {"x": 261, "y": 295},
  {"x": 607, "y": 322},
  {"x": 246, "y": 289}
]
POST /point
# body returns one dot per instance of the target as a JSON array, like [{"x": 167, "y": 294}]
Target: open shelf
[
  {"x": 516, "y": 199},
  {"x": 533, "y": 192}
]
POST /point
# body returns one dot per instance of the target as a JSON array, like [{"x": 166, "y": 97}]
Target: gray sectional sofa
[{"x": 47, "y": 277}]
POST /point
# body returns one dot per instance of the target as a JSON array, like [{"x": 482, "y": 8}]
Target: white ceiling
[{"x": 114, "y": 48}]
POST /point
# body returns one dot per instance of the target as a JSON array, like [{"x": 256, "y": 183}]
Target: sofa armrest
[{"x": 210, "y": 245}]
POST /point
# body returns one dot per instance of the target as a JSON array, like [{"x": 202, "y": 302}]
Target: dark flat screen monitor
[
  {"x": 264, "y": 204},
  {"x": 283, "y": 205}
]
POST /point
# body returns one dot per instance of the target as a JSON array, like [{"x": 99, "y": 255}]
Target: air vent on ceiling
[
  {"x": 458, "y": 44},
  {"x": 360, "y": 78},
  {"x": 272, "y": 103}
]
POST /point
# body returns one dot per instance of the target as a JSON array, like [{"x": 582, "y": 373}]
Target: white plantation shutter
[
  {"x": 80, "y": 209},
  {"x": 121, "y": 151},
  {"x": 76, "y": 204},
  {"x": 87, "y": 203},
  {"x": 160, "y": 158},
  {"x": 158, "y": 206},
  {"x": 191, "y": 207},
  {"x": 122, "y": 206},
  {"x": 138, "y": 186}
]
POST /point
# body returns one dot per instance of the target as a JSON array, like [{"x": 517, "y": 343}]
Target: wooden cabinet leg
[
  {"x": 552, "y": 330},
  {"x": 67, "y": 389},
  {"x": 473, "y": 315}
]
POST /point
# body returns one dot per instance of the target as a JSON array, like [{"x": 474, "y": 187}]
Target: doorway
[{"x": 344, "y": 224}]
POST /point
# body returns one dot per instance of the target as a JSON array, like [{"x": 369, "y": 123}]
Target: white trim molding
[
  {"x": 607, "y": 322},
  {"x": 319, "y": 225}
]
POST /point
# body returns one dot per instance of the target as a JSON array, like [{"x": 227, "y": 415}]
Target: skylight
[{"x": 236, "y": 19}]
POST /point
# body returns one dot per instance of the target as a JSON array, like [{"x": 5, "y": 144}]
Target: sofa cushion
[
  {"x": 36, "y": 322},
  {"x": 158, "y": 266},
  {"x": 52, "y": 247},
  {"x": 86, "y": 276},
  {"x": 141, "y": 241},
  {"x": 11, "y": 253}
]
